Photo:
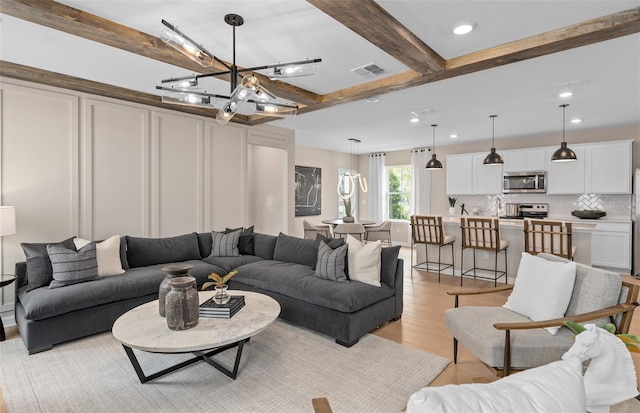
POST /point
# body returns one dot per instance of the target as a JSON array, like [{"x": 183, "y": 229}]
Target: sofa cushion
[
  {"x": 389, "y": 264},
  {"x": 107, "y": 254},
  {"x": 542, "y": 289},
  {"x": 298, "y": 281},
  {"x": 137, "y": 282},
  {"x": 295, "y": 250},
  {"x": 264, "y": 245},
  {"x": 225, "y": 244},
  {"x": 39, "y": 272},
  {"x": 364, "y": 261},
  {"x": 230, "y": 263},
  {"x": 245, "y": 243},
  {"x": 330, "y": 263},
  {"x": 142, "y": 252},
  {"x": 71, "y": 266}
]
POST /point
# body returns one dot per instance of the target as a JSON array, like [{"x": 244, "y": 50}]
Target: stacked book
[{"x": 213, "y": 310}]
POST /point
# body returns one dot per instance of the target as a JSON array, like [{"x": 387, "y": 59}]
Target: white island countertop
[{"x": 577, "y": 224}]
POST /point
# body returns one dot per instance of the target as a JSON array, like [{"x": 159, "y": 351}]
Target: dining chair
[
  {"x": 354, "y": 229},
  {"x": 380, "y": 232},
  {"x": 312, "y": 230}
]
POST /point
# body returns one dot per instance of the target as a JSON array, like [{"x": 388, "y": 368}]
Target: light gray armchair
[
  {"x": 380, "y": 232},
  {"x": 355, "y": 230},
  {"x": 506, "y": 341}
]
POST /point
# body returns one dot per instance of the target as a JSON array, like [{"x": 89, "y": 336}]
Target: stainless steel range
[{"x": 537, "y": 211}]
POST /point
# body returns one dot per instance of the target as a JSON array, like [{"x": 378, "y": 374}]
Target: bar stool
[
  {"x": 553, "y": 237},
  {"x": 483, "y": 234},
  {"x": 428, "y": 230}
]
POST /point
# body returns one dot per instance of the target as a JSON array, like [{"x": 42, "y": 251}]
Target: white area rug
[{"x": 282, "y": 369}]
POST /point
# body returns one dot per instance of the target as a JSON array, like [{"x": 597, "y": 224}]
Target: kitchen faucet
[{"x": 498, "y": 207}]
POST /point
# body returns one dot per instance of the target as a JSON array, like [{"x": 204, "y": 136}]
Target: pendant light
[
  {"x": 434, "y": 164},
  {"x": 347, "y": 185},
  {"x": 564, "y": 154},
  {"x": 493, "y": 158}
]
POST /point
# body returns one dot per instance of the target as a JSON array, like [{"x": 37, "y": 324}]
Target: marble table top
[{"x": 143, "y": 328}]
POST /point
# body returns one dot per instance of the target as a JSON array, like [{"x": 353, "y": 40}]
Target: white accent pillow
[
  {"x": 107, "y": 254},
  {"x": 364, "y": 261},
  {"x": 542, "y": 289}
]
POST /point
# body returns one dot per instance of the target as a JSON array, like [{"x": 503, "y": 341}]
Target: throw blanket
[{"x": 556, "y": 387}]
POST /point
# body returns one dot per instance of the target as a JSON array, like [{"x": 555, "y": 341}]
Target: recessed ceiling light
[
  {"x": 463, "y": 28},
  {"x": 453, "y": 135},
  {"x": 576, "y": 120},
  {"x": 565, "y": 94},
  {"x": 374, "y": 99},
  {"x": 414, "y": 119}
]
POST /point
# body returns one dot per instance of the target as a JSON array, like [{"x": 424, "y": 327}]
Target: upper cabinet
[
  {"x": 520, "y": 160},
  {"x": 467, "y": 175},
  {"x": 459, "y": 174},
  {"x": 487, "y": 179},
  {"x": 608, "y": 168},
  {"x": 601, "y": 168},
  {"x": 566, "y": 177}
]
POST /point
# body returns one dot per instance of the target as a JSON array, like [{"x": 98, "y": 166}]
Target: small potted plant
[
  {"x": 221, "y": 296},
  {"x": 452, "y": 205},
  {"x": 348, "y": 212}
]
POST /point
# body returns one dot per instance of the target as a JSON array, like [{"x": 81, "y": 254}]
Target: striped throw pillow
[
  {"x": 225, "y": 244},
  {"x": 330, "y": 264},
  {"x": 72, "y": 267}
]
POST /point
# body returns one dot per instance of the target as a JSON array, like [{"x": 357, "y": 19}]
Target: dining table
[{"x": 337, "y": 221}]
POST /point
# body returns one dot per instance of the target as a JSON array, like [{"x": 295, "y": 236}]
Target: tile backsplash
[{"x": 616, "y": 206}]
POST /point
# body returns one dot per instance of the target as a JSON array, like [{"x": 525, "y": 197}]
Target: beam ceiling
[{"x": 365, "y": 17}]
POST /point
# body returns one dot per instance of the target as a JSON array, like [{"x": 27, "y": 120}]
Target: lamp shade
[
  {"x": 493, "y": 158},
  {"x": 7, "y": 220},
  {"x": 564, "y": 154},
  {"x": 434, "y": 164}
]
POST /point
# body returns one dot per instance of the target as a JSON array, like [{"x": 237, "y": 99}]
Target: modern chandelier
[
  {"x": 181, "y": 90},
  {"x": 347, "y": 183}
]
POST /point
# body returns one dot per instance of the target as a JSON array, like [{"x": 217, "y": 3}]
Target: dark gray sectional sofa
[{"x": 279, "y": 266}]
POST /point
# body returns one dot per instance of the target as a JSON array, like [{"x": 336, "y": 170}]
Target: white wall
[{"x": 75, "y": 164}]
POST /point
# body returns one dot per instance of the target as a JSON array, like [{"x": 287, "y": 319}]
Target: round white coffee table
[{"x": 142, "y": 328}]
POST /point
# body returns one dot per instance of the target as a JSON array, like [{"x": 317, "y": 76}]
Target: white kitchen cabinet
[
  {"x": 611, "y": 246},
  {"x": 459, "y": 174},
  {"x": 608, "y": 168},
  {"x": 566, "y": 177},
  {"x": 487, "y": 179},
  {"x": 520, "y": 160}
]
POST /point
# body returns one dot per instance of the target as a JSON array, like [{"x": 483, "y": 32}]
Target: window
[{"x": 399, "y": 178}]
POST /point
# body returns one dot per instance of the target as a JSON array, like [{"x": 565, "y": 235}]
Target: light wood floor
[{"x": 422, "y": 325}]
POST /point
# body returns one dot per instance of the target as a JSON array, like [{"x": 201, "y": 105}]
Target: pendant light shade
[
  {"x": 493, "y": 158},
  {"x": 434, "y": 164},
  {"x": 564, "y": 154}
]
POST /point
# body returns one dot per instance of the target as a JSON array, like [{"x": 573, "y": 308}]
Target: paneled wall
[{"x": 80, "y": 165}]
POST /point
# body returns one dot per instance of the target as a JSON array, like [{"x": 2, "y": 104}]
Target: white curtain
[
  {"x": 420, "y": 183},
  {"x": 377, "y": 188}
]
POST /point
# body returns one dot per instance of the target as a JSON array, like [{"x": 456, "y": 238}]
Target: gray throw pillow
[
  {"x": 264, "y": 245},
  {"x": 39, "y": 272},
  {"x": 330, "y": 264},
  {"x": 295, "y": 250},
  {"x": 245, "y": 243},
  {"x": 389, "y": 265},
  {"x": 71, "y": 267},
  {"x": 142, "y": 252},
  {"x": 225, "y": 244}
]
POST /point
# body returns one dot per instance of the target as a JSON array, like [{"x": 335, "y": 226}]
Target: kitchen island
[{"x": 511, "y": 230}]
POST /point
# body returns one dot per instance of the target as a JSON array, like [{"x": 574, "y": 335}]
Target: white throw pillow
[
  {"x": 542, "y": 289},
  {"x": 364, "y": 261},
  {"x": 107, "y": 253}
]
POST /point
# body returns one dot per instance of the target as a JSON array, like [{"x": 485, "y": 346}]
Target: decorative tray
[{"x": 588, "y": 214}]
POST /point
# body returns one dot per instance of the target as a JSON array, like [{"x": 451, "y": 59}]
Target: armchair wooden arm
[
  {"x": 580, "y": 318},
  {"x": 605, "y": 312},
  {"x": 477, "y": 291}
]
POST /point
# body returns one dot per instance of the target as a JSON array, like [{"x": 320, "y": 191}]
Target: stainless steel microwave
[{"x": 524, "y": 182}]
